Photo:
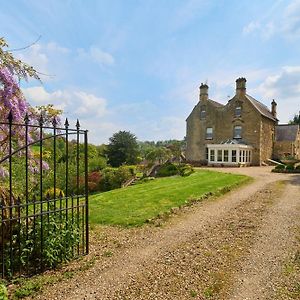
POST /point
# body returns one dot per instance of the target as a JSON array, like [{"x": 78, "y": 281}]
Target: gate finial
[{"x": 66, "y": 123}]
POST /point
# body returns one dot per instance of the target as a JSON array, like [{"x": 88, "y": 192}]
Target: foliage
[
  {"x": 17, "y": 109},
  {"x": 160, "y": 154},
  {"x": 296, "y": 120},
  {"x": 122, "y": 149},
  {"x": 3, "y": 292},
  {"x": 134, "y": 205},
  {"x": 289, "y": 167},
  {"x": 171, "y": 169},
  {"x": 49, "y": 193},
  {"x": 15, "y": 66},
  {"x": 60, "y": 239},
  {"x": 113, "y": 178},
  {"x": 280, "y": 167},
  {"x": 168, "y": 169}
]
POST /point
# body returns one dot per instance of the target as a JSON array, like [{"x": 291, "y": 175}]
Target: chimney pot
[
  {"x": 274, "y": 108},
  {"x": 241, "y": 86},
  {"x": 203, "y": 92}
]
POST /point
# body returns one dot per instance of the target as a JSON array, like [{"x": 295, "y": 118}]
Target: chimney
[
  {"x": 274, "y": 108},
  {"x": 241, "y": 86},
  {"x": 203, "y": 92}
]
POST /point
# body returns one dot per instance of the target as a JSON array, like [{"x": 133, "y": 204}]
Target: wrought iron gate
[{"x": 43, "y": 196}]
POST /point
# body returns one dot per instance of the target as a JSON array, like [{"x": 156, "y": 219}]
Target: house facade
[{"x": 242, "y": 132}]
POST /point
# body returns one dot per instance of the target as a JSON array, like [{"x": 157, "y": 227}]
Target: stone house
[{"x": 242, "y": 132}]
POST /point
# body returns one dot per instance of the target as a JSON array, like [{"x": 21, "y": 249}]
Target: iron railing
[{"x": 44, "y": 197}]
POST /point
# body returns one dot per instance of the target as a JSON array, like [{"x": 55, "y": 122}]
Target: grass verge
[{"x": 134, "y": 205}]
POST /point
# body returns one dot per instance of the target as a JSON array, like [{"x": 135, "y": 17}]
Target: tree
[
  {"x": 159, "y": 154},
  {"x": 296, "y": 120},
  {"x": 122, "y": 149}
]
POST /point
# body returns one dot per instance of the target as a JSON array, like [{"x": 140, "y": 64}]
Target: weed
[{"x": 108, "y": 254}]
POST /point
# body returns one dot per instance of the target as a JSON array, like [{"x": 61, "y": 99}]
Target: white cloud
[
  {"x": 90, "y": 109},
  {"x": 97, "y": 55},
  {"x": 252, "y": 26},
  {"x": 281, "y": 19},
  {"x": 284, "y": 87},
  {"x": 90, "y": 104}
]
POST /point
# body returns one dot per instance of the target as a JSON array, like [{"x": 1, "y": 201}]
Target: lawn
[{"x": 133, "y": 205}]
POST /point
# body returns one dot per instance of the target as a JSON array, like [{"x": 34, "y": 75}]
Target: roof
[
  {"x": 233, "y": 142},
  {"x": 215, "y": 103},
  {"x": 286, "y": 132},
  {"x": 263, "y": 109}
]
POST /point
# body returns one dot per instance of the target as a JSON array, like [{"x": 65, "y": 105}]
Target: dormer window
[
  {"x": 237, "y": 132},
  {"x": 209, "y": 133},
  {"x": 203, "y": 112},
  {"x": 238, "y": 111}
]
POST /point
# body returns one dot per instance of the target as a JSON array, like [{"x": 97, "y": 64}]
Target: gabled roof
[
  {"x": 263, "y": 109},
  {"x": 286, "y": 132},
  {"x": 215, "y": 103}
]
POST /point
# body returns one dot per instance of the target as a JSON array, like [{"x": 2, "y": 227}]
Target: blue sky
[{"x": 137, "y": 65}]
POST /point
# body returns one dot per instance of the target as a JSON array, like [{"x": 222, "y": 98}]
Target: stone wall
[{"x": 267, "y": 136}]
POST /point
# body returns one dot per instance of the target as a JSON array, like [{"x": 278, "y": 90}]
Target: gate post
[{"x": 86, "y": 192}]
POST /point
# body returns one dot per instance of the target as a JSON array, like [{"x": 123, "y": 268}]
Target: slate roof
[
  {"x": 263, "y": 109},
  {"x": 286, "y": 132}
]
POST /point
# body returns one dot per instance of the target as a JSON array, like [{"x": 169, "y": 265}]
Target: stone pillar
[
  {"x": 241, "y": 86},
  {"x": 203, "y": 92}
]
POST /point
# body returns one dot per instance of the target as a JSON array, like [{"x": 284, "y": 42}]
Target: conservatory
[{"x": 229, "y": 153}]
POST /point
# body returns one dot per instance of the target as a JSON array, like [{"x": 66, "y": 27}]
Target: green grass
[{"x": 134, "y": 205}]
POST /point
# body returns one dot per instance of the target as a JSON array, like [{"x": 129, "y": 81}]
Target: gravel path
[{"x": 229, "y": 248}]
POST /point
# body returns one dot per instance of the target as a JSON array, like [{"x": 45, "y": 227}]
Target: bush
[
  {"x": 3, "y": 292},
  {"x": 61, "y": 237},
  {"x": 144, "y": 180},
  {"x": 280, "y": 167},
  {"x": 113, "y": 178},
  {"x": 168, "y": 169},
  {"x": 185, "y": 169},
  {"x": 289, "y": 168}
]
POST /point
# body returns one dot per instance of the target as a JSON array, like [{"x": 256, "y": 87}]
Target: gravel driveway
[{"x": 233, "y": 247}]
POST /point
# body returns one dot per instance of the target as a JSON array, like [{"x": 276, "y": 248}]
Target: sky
[{"x": 137, "y": 65}]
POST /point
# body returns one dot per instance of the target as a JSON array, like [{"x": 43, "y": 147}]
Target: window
[
  {"x": 237, "y": 132},
  {"x": 206, "y": 153},
  {"x": 233, "y": 156},
  {"x": 202, "y": 112},
  {"x": 225, "y": 155},
  {"x": 238, "y": 111},
  {"x": 212, "y": 155},
  {"x": 209, "y": 133},
  {"x": 219, "y": 157}
]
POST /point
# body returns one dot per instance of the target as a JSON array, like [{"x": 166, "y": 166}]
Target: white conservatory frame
[{"x": 231, "y": 154}]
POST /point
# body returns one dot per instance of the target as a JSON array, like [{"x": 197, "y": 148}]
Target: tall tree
[
  {"x": 122, "y": 149},
  {"x": 296, "y": 120}
]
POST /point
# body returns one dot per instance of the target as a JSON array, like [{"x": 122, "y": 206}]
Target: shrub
[
  {"x": 113, "y": 178},
  {"x": 168, "y": 169},
  {"x": 3, "y": 292},
  {"x": 289, "y": 168},
  {"x": 280, "y": 167},
  {"x": 144, "y": 180},
  {"x": 60, "y": 240},
  {"x": 97, "y": 163},
  {"x": 185, "y": 169},
  {"x": 50, "y": 193}
]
